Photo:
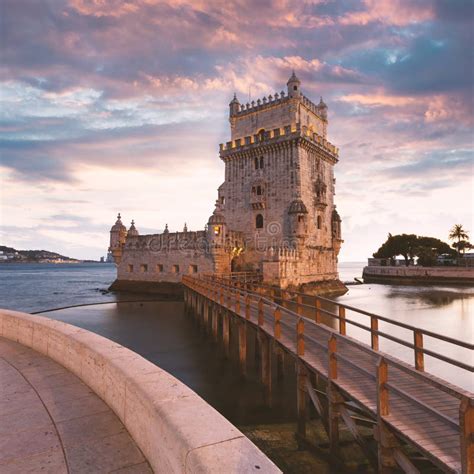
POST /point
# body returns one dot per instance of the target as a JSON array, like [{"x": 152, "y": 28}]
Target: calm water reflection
[
  {"x": 445, "y": 310},
  {"x": 163, "y": 334}
]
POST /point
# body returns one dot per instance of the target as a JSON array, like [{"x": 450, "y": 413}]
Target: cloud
[{"x": 98, "y": 96}]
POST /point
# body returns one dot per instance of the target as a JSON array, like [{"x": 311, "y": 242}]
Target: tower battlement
[
  {"x": 278, "y": 111},
  {"x": 272, "y": 137}
]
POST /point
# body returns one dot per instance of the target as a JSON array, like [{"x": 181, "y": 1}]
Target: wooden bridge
[{"x": 345, "y": 379}]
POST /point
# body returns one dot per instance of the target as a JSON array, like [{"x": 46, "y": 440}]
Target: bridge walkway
[{"x": 409, "y": 408}]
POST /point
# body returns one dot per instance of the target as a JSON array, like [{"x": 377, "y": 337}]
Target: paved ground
[{"x": 50, "y": 422}]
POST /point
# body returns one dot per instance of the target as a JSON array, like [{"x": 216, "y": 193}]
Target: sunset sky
[{"x": 114, "y": 105}]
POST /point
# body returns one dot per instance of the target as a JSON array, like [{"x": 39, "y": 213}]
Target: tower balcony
[
  {"x": 320, "y": 204},
  {"x": 258, "y": 201}
]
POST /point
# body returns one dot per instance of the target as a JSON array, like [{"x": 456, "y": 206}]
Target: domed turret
[
  {"x": 293, "y": 86},
  {"x": 133, "y": 230},
  {"x": 336, "y": 224},
  {"x": 297, "y": 207},
  {"x": 323, "y": 109},
  {"x": 118, "y": 235},
  {"x": 234, "y": 105},
  {"x": 298, "y": 214},
  {"x": 216, "y": 226}
]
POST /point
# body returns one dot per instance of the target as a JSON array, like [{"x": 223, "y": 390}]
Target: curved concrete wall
[{"x": 174, "y": 427}]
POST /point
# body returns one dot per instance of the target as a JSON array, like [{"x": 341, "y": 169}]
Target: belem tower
[{"x": 274, "y": 212}]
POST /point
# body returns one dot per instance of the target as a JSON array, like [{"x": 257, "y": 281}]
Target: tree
[
  {"x": 458, "y": 233},
  {"x": 404, "y": 244},
  {"x": 410, "y": 246},
  {"x": 462, "y": 246}
]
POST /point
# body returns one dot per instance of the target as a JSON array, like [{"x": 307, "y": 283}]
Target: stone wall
[
  {"x": 177, "y": 431},
  {"x": 417, "y": 274}
]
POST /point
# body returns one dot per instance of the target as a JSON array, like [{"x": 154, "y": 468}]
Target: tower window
[
  {"x": 300, "y": 218},
  {"x": 193, "y": 268},
  {"x": 295, "y": 88},
  {"x": 130, "y": 268},
  {"x": 258, "y": 162},
  {"x": 259, "y": 190},
  {"x": 175, "y": 269},
  {"x": 259, "y": 221},
  {"x": 159, "y": 268},
  {"x": 318, "y": 222},
  {"x": 144, "y": 268}
]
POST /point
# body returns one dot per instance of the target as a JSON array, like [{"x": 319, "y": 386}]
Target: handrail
[
  {"x": 217, "y": 282},
  {"x": 417, "y": 346},
  {"x": 426, "y": 332}
]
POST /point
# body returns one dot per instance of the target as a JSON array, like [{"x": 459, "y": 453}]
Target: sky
[{"x": 120, "y": 105}]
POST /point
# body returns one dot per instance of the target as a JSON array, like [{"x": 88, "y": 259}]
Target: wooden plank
[
  {"x": 349, "y": 422},
  {"x": 403, "y": 461},
  {"x": 466, "y": 418}
]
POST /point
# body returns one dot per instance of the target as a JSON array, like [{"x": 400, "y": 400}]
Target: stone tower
[{"x": 279, "y": 188}]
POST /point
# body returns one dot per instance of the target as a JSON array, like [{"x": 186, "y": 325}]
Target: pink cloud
[{"x": 394, "y": 12}]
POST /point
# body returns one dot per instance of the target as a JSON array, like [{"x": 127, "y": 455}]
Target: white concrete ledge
[{"x": 176, "y": 429}]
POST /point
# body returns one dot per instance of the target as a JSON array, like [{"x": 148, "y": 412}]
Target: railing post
[
  {"x": 374, "y": 337},
  {"x": 277, "y": 326},
  {"x": 266, "y": 367},
  {"x": 260, "y": 312},
  {"x": 299, "y": 304},
  {"x": 300, "y": 337},
  {"x": 382, "y": 390},
  {"x": 301, "y": 398},
  {"x": 332, "y": 350},
  {"x": 385, "y": 440},
  {"x": 334, "y": 398},
  {"x": 225, "y": 331},
  {"x": 243, "y": 347},
  {"x": 247, "y": 307},
  {"x": 342, "y": 320},
  {"x": 317, "y": 316},
  {"x": 419, "y": 356},
  {"x": 237, "y": 302},
  {"x": 466, "y": 425}
]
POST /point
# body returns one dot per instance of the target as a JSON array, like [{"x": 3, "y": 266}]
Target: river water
[{"x": 447, "y": 310}]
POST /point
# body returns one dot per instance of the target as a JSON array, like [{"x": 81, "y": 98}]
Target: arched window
[
  {"x": 259, "y": 190},
  {"x": 261, "y": 135},
  {"x": 261, "y": 162},
  {"x": 256, "y": 163},
  {"x": 318, "y": 220},
  {"x": 259, "y": 221}
]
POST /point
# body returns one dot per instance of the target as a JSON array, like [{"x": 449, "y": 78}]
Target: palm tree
[{"x": 458, "y": 233}]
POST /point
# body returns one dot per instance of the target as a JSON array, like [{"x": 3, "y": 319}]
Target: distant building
[{"x": 275, "y": 211}]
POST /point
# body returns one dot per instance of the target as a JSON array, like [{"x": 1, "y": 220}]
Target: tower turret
[
  {"x": 322, "y": 109},
  {"x": 216, "y": 228},
  {"x": 294, "y": 86},
  {"x": 133, "y": 230},
  {"x": 234, "y": 106},
  {"x": 298, "y": 218},
  {"x": 118, "y": 235}
]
